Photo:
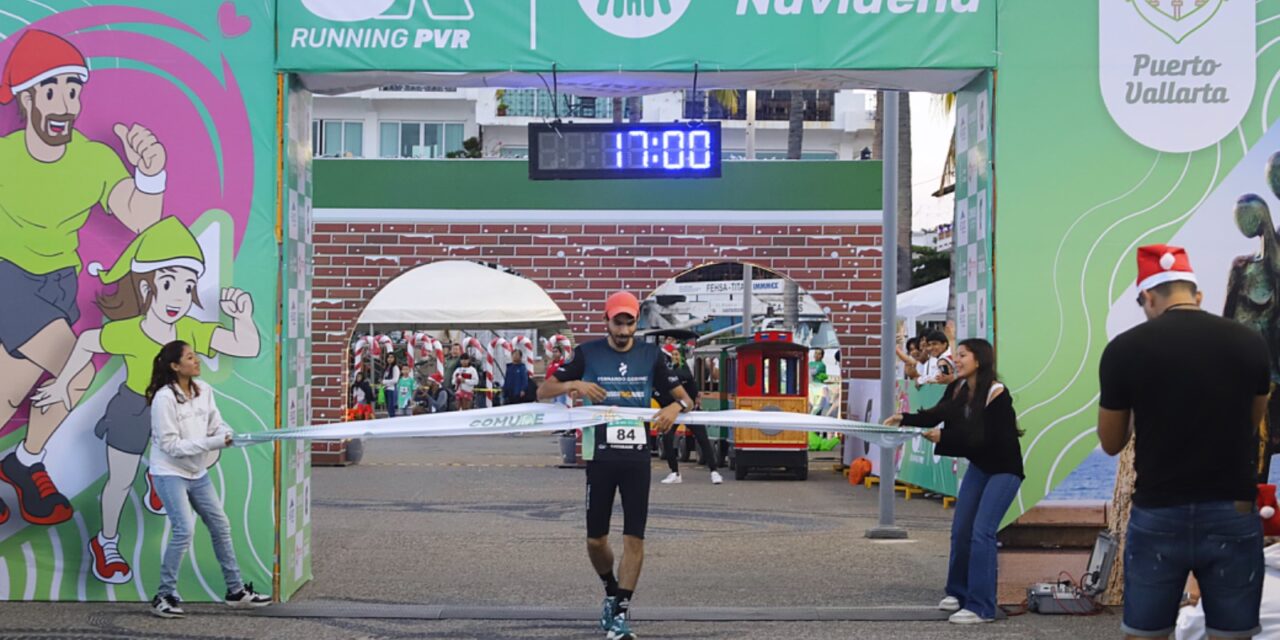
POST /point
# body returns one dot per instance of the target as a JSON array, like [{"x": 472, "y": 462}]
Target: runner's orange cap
[{"x": 621, "y": 302}]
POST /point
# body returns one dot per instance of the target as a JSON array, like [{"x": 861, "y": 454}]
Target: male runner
[{"x": 621, "y": 372}]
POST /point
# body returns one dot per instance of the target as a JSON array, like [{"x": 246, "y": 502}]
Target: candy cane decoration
[
  {"x": 558, "y": 340},
  {"x": 525, "y": 345},
  {"x": 429, "y": 347},
  {"x": 361, "y": 346},
  {"x": 439, "y": 351},
  {"x": 502, "y": 350},
  {"x": 478, "y": 352},
  {"x": 382, "y": 346},
  {"x": 410, "y": 352}
]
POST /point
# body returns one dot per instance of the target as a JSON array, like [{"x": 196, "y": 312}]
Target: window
[
  {"x": 770, "y": 105},
  {"x": 519, "y": 153},
  {"x": 402, "y": 139},
  {"x": 417, "y": 88},
  {"x": 537, "y": 103},
  {"x": 337, "y": 138}
]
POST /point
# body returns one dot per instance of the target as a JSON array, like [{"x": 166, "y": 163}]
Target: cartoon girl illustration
[{"x": 155, "y": 282}]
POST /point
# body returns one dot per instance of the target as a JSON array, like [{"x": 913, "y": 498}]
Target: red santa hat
[
  {"x": 437, "y": 377},
  {"x": 38, "y": 56},
  {"x": 670, "y": 350},
  {"x": 1161, "y": 263}
]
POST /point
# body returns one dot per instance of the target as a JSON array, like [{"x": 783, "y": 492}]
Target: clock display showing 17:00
[{"x": 613, "y": 151}]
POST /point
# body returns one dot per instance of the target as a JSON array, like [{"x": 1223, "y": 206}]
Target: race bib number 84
[{"x": 627, "y": 433}]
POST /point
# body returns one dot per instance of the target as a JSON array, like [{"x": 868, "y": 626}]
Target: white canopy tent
[
  {"x": 925, "y": 304},
  {"x": 457, "y": 294}
]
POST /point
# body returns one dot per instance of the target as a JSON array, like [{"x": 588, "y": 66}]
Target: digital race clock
[{"x": 624, "y": 151}]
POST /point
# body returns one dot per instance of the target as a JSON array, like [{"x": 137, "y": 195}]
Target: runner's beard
[
  {"x": 45, "y": 125},
  {"x": 621, "y": 342}
]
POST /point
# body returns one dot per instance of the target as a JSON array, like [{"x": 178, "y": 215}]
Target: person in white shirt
[
  {"x": 465, "y": 378},
  {"x": 390, "y": 380},
  {"x": 941, "y": 368},
  {"x": 186, "y": 434}
]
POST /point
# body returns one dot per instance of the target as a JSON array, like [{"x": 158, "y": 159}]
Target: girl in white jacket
[{"x": 186, "y": 434}]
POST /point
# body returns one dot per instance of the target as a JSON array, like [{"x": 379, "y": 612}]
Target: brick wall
[{"x": 578, "y": 265}]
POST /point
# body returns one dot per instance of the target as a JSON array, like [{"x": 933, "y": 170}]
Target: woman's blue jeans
[
  {"x": 981, "y": 504},
  {"x": 181, "y": 497}
]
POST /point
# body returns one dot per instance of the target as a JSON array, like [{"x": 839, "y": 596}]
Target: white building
[
  {"x": 427, "y": 122},
  {"x": 937, "y": 238}
]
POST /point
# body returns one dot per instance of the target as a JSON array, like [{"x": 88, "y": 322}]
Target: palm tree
[
  {"x": 795, "y": 126},
  {"x": 728, "y": 98},
  {"x": 904, "y": 178},
  {"x": 1118, "y": 523},
  {"x": 947, "y": 103}
]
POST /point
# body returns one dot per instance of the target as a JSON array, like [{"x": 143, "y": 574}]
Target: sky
[{"x": 930, "y": 138}]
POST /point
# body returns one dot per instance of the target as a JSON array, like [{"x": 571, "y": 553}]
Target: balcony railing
[
  {"x": 537, "y": 103},
  {"x": 819, "y": 106},
  {"x": 417, "y": 88}
]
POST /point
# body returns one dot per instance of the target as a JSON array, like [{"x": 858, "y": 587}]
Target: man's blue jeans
[
  {"x": 181, "y": 496},
  {"x": 1220, "y": 542},
  {"x": 971, "y": 574}
]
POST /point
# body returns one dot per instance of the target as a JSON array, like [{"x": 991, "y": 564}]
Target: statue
[{"x": 1252, "y": 299}]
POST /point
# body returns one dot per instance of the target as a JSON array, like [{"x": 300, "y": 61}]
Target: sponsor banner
[
  {"x": 1177, "y": 75},
  {"x": 971, "y": 253},
  {"x": 143, "y": 133},
  {"x": 1191, "y": 85},
  {"x": 918, "y": 464},
  {"x": 634, "y": 35},
  {"x": 535, "y": 417},
  {"x": 295, "y": 352}
]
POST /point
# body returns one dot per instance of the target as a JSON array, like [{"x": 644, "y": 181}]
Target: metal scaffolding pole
[{"x": 886, "y": 529}]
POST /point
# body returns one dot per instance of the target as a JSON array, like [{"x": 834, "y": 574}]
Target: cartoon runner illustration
[
  {"x": 155, "y": 282},
  {"x": 52, "y": 176}
]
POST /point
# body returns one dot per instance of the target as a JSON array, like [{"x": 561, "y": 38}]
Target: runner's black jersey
[{"x": 629, "y": 380}]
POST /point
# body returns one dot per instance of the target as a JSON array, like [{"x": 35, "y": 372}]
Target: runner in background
[{"x": 684, "y": 378}]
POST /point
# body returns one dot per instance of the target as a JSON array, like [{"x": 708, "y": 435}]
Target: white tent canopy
[
  {"x": 457, "y": 294},
  {"x": 925, "y": 304}
]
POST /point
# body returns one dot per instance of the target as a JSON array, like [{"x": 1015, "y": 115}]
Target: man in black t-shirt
[
  {"x": 682, "y": 376},
  {"x": 1191, "y": 388},
  {"x": 622, "y": 372}
]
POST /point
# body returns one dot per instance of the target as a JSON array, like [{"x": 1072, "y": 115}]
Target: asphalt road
[{"x": 491, "y": 522}]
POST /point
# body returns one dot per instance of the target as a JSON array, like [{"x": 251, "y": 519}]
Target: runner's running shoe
[
  {"x": 619, "y": 629},
  {"x": 606, "y": 612}
]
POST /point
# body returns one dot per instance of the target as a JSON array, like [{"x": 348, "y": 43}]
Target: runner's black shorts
[{"x": 628, "y": 477}]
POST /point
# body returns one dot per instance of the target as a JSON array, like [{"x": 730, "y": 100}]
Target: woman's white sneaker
[
  {"x": 716, "y": 478},
  {"x": 247, "y": 598},
  {"x": 949, "y": 603},
  {"x": 672, "y": 478},
  {"x": 167, "y": 607},
  {"x": 965, "y": 616}
]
